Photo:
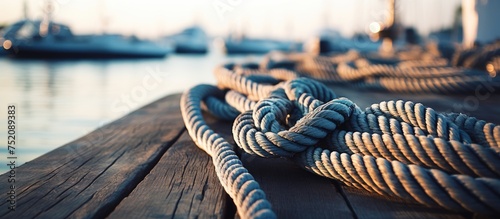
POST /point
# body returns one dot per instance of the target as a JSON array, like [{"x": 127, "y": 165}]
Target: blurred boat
[
  {"x": 331, "y": 41},
  {"x": 256, "y": 46},
  {"x": 3, "y": 52},
  {"x": 40, "y": 39},
  {"x": 192, "y": 40}
]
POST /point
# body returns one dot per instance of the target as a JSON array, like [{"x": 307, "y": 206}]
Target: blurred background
[
  {"x": 70, "y": 66},
  {"x": 281, "y": 19}
]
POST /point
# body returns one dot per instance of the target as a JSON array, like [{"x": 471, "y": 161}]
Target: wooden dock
[{"x": 145, "y": 165}]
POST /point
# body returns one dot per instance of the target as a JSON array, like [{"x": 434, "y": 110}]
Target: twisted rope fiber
[
  {"x": 412, "y": 76},
  {"x": 476, "y": 57},
  {"x": 393, "y": 148},
  {"x": 235, "y": 179}
]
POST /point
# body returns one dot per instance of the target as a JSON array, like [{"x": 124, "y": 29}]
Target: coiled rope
[
  {"x": 410, "y": 76},
  {"x": 394, "y": 148}
]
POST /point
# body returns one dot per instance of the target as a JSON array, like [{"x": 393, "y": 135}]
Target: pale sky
[{"x": 287, "y": 19}]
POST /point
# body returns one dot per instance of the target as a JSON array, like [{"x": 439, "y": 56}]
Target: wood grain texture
[
  {"x": 294, "y": 192},
  {"x": 370, "y": 205},
  {"x": 182, "y": 185},
  {"x": 88, "y": 177}
]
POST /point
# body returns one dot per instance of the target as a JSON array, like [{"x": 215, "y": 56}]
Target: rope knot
[{"x": 263, "y": 131}]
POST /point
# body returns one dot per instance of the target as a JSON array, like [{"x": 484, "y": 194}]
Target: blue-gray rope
[{"x": 394, "y": 148}]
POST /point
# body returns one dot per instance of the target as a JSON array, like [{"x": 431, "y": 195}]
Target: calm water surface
[{"x": 58, "y": 101}]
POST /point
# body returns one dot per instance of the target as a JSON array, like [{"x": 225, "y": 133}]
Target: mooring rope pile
[
  {"x": 393, "y": 148},
  {"x": 417, "y": 75},
  {"x": 477, "y": 57}
]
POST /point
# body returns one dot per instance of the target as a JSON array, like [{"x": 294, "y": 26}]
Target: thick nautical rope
[
  {"x": 237, "y": 182},
  {"x": 394, "y": 148}
]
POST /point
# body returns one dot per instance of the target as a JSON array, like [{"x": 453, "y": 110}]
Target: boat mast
[
  {"x": 387, "y": 41},
  {"x": 25, "y": 10},
  {"x": 470, "y": 21},
  {"x": 326, "y": 14},
  {"x": 104, "y": 18},
  {"x": 44, "y": 25}
]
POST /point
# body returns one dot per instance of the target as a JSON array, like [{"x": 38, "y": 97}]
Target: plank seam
[
  {"x": 105, "y": 210},
  {"x": 229, "y": 209},
  {"x": 344, "y": 196}
]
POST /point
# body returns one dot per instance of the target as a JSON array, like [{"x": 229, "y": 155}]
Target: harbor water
[{"x": 58, "y": 101}]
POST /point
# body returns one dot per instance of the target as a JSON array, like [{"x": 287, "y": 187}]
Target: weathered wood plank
[
  {"x": 370, "y": 205},
  {"x": 182, "y": 185},
  {"x": 294, "y": 192},
  {"x": 90, "y": 176}
]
